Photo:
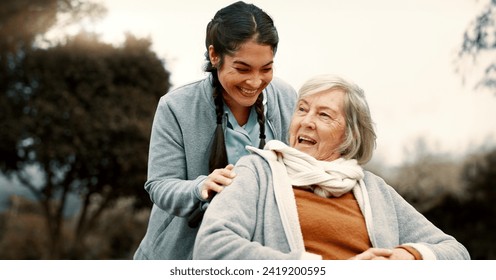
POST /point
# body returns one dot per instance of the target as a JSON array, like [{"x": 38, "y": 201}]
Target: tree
[
  {"x": 86, "y": 113},
  {"x": 22, "y": 24},
  {"x": 479, "y": 46},
  {"x": 455, "y": 194},
  {"x": 427, "y": 177},
  {"x": 472, "y": 215},
  {"x": 79, "y": 111}
]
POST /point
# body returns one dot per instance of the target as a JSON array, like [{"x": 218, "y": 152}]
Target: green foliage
[
  {"x": 78, "y": 111},
  {"x": 471, "y": 219},
  {"x": 22, "y": 22},
  {"x": 456, "y": 195},
  {"x": 479, "y": 43},
  {"x": 85, "y": 116},
  {"x": 428, "y": 180},
  {"x": 88, "y": 111},
  {"x": 427, "y": 177}
]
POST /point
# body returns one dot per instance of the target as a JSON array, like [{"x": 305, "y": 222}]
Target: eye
[
  {"x": 301, "y": 109},
  {"x": 267, "y": 70},
  {"x": 325, "y": 115},
  {"x": 242, "y": 70}
]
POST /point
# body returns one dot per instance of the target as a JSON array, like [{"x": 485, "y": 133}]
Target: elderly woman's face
[{"x": 318, "y": 125}]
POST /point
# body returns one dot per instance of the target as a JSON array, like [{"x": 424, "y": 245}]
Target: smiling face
[
  {"x": 319, "y": 123},
  {"x": 244, "y": 74}
]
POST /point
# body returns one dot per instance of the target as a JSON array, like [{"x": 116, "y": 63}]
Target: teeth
[
  {"x": 301, "y": 139},
  {"x": 248, "y": 91}
]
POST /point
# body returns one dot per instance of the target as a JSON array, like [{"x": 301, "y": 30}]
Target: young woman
[{"x": 201, "y": 129}]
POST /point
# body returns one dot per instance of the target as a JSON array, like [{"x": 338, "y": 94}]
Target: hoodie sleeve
[
  {"x": 230, "y": 225},
  {"x": 167, "y": 182},
  {"x": 396, "y": 222}
]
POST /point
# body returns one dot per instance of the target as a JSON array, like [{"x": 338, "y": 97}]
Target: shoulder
[
  {"x": 378, "y": 187},
  {"x": 373, "y": 178},
  {"x": 191, "y": 92},
  {"x": 253, "y": 162},
  {"x": 281, "y": 87},
  {"x": 253, "y": 166},
  {"x": 280, "y": 84},
  {"x": 281, "y": 96},
  {"x": 375, "y": 183},
  {"x": 253, "y": 174}
]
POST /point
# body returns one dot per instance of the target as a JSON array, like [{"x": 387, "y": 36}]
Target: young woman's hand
[{"x": 217, "y": 181}]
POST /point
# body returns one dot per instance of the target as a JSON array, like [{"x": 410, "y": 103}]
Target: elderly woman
[{"x": 313, "y": 200}]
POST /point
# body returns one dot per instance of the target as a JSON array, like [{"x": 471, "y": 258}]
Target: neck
[{"x": 241, "y": 113}]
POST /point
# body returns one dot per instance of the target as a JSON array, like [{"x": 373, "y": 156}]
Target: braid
[
  {"x": 259, "y": 108},
  {"x": 218, "y": 154}
]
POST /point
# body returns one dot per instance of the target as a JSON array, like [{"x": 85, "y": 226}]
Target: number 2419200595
[{"x": 294, "y": 270}]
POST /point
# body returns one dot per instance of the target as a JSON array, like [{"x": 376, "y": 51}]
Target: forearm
[
  {"x": 220, "y": 240},
  {"x": 176, "y": 197},
  {"x": 430, "y": 241}
]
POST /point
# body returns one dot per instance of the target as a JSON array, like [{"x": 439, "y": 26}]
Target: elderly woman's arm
[
  {"x": 234, "y": 224},
  {"x": 397, "y": 223},
  {"x": 418, "y": 232}
]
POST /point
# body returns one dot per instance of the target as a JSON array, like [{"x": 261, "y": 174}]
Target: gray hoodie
[{"x": 180, "y": 142}]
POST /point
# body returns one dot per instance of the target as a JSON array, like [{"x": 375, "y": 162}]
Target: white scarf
[
  {"x": 326, "y": 178},
  {"x": 291, "y": 167}
]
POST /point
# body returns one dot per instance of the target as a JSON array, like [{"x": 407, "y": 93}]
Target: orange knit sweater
[{"x": 332, "y": 227}]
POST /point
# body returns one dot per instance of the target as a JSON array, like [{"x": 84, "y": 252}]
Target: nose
[
  {"x": 255, "y": 81},
  {"x": 308, "y": 121}
]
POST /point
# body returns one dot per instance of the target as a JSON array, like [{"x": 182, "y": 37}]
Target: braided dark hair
[
  {"x": 218, "y": 154},
  {"x": 259, "y": 108},
  {"x": 226, "y": 32}
]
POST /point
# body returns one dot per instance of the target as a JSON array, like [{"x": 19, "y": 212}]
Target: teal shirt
[{"x": 238, "y": 137}]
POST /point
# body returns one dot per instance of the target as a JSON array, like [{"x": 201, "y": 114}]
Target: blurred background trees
[
  {"x": 78, "y": 113},
  {"x": 470, "y": 217},
  {"x": 456, "y": 194},
  {"x": 75, "y": 117},
  {"x": 478, "y": 50}
]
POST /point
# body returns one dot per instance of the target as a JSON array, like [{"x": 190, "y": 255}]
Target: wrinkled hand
[
  {"x": 217, "y": 181},
  {"x": 384, "y": 254}
]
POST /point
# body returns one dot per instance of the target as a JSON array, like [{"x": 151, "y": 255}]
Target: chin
[
  {"x": 248, "y": 102},
  {"x": 305, "y": 149}
]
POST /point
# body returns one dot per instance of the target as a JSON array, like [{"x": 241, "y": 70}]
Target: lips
[
  {"x": 249, "y": 92},
  {"x": 306, "y": 140}
]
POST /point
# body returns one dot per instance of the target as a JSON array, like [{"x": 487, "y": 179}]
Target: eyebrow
[
  {"x": 248, "y": 65},
  {"x": 320, "y": 107}
]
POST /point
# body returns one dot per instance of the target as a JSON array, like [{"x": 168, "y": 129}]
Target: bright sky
[{"x": 401, "y": 52}]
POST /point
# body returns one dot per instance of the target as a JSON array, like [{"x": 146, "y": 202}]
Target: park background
[{"x": 80, "y": 80}]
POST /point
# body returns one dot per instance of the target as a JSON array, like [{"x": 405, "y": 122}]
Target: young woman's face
[
  {"x": 318, "y": 124},
  {"x": 245, "y": 74}
]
